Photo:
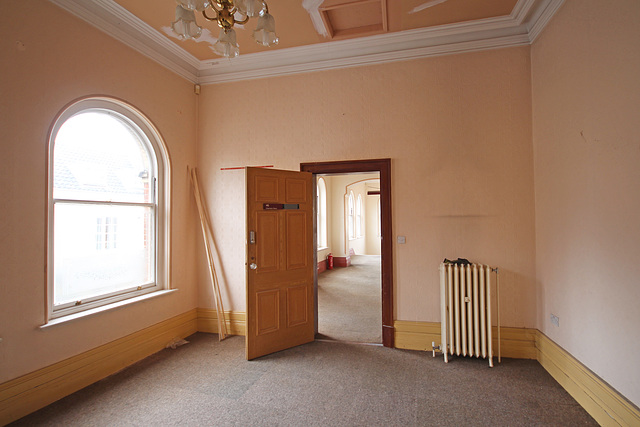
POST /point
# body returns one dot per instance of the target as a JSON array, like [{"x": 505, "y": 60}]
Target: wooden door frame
[{"x": 383, "y": 166}]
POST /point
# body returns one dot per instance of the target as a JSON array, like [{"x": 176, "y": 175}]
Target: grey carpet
[
  {"x": 350, "y": 301},
  {"x": 208, "y": 383}
]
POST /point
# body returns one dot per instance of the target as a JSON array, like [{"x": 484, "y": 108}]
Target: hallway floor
[{"x": 350, "y": 301}]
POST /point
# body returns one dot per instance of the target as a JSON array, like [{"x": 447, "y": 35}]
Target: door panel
[
  {"x": 279, "y": 261},
  {"x": 295, "y": 190},
  {"x": 297, "y": 303},
  {"x": 296, "y": 240},
  {"x": 266, "y": 189},
  {"x": 268, "y": 244},
  {"x": 267, "y": 312}
]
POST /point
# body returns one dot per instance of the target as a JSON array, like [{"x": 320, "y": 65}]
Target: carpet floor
[
  {"x": 208, "y": 383},
  {"x": 350, "y": 301}
]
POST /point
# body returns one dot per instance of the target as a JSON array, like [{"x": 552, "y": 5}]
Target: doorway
[
  {"x": 383, "y": 167},
  {"x": 348, "y": 227}
]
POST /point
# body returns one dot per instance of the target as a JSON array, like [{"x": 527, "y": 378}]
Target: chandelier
[{"x": 226, "y": 13}]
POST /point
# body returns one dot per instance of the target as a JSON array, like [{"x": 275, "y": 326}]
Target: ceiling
[
  {"x": 321, "y": 34},
  {"x": 347, "y": 19}
]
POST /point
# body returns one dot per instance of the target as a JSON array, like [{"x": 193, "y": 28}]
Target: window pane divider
[{"x": 102, "y": 203}]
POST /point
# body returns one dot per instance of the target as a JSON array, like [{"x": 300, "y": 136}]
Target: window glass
[
  {"x": 379, "y": 220},
  {"x": 322, "y": 213},
  {"x": 107, "y": 235},
  {"x": 359, "y": 217},
  {"x": 351, "y": 216},
  {"x": 100, "y": 249},
  {"x": 111, "y": 164}
]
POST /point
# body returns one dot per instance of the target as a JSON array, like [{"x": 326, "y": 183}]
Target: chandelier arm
[
  {"x": 204, "y": 13},
  {"x": 244, "y": 21}
]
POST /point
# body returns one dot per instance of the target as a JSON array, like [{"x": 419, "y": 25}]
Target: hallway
[{"x": 349, "y": 301}]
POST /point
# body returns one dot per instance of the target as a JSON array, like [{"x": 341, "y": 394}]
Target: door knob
[{"x": 253, "y": 266}]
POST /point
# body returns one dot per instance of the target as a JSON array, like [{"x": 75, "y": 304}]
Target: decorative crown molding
[{"x": 521, "y": 27}]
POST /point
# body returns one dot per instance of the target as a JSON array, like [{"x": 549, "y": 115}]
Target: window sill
[
  {"x": 323, "y": 248},
  {"x": 82, "y": 314}
]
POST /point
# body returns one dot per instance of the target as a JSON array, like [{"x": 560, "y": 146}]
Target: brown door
[{"x": 279, "y": 260}]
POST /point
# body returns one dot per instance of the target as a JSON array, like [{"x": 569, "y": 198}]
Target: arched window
[
  {"x": 359, "y": 217},
  {"x": 351, "y": 216},
  {"x": 322, "y": 213},
  {"x": 108, "y": 207}
]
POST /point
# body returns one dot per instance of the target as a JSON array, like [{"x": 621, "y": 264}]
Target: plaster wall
[
  {"x": 50, "y": 58},
  {"x": 586, "y": 134},
  {"x": 372, "y": 236},
  {"x": 460, "y": 125}
]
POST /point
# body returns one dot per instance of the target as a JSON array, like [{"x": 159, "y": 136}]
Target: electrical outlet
[
  {"x": 402, "y": 240},
  {"x": 555, "y": 320}
]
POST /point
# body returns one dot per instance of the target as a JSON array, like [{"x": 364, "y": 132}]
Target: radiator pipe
[{"x": 498, "y": 303}]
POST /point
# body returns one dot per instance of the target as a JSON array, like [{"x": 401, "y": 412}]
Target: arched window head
[
  {"x": 322, "y": 213},
  {"x": 108, "y": 204}
]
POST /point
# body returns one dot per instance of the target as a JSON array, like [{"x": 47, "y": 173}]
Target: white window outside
[
  {"x": 359, "y": 217},
  {"x": 351, "y": 216},
  {"x": 108, "y": 207},
  {"x": 322, "y": 213},
  {"x": 379, "y": 220}
]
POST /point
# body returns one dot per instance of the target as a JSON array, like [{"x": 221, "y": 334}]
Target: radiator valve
[{"x": 435, "y": 348}]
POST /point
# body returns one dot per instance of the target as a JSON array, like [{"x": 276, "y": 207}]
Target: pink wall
[
  {"x": 459, "y": 125},
  {"x": 50, "y": 58},
  {"x": 586, "y": 127}
]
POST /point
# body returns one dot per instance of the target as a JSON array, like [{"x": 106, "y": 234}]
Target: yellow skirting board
[
  {"x": 28, "y": 393},
  {"x": 599, "y": 399},
  {"x": 33, "y": 391}
]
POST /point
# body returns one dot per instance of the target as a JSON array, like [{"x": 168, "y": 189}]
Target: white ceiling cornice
[{"x": 521, "y": 27}]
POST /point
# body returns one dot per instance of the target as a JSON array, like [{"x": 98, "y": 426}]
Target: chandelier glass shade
[{"x": 226, "y": 13}]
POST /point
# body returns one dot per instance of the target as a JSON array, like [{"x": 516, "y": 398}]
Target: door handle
[
  {"x": 253, "y": 266},
  {"x": 252, "y": 237}
]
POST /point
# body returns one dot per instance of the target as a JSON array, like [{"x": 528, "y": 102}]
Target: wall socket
[{"x": 555, "y": 320}]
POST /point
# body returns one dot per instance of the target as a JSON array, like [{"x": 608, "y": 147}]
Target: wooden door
[{"x": 279, "y": 260}]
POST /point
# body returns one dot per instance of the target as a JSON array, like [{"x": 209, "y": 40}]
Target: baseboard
[
  {"x": 33, "y": 391},
  {"x": 416, "y": 335},
  {"x": 599, "y": 399},
  {"x": 322, "y": 266},
  {"x": 342, "y": 261},
  {"x": 28, "y": 393},
  {"x": 518, "y": 343},
  {"x": 208, "y": 321}
]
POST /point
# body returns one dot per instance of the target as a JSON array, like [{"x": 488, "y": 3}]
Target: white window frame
[
  {"x": 321, "y": 188},
  {"x": 160, "y": 159}
]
